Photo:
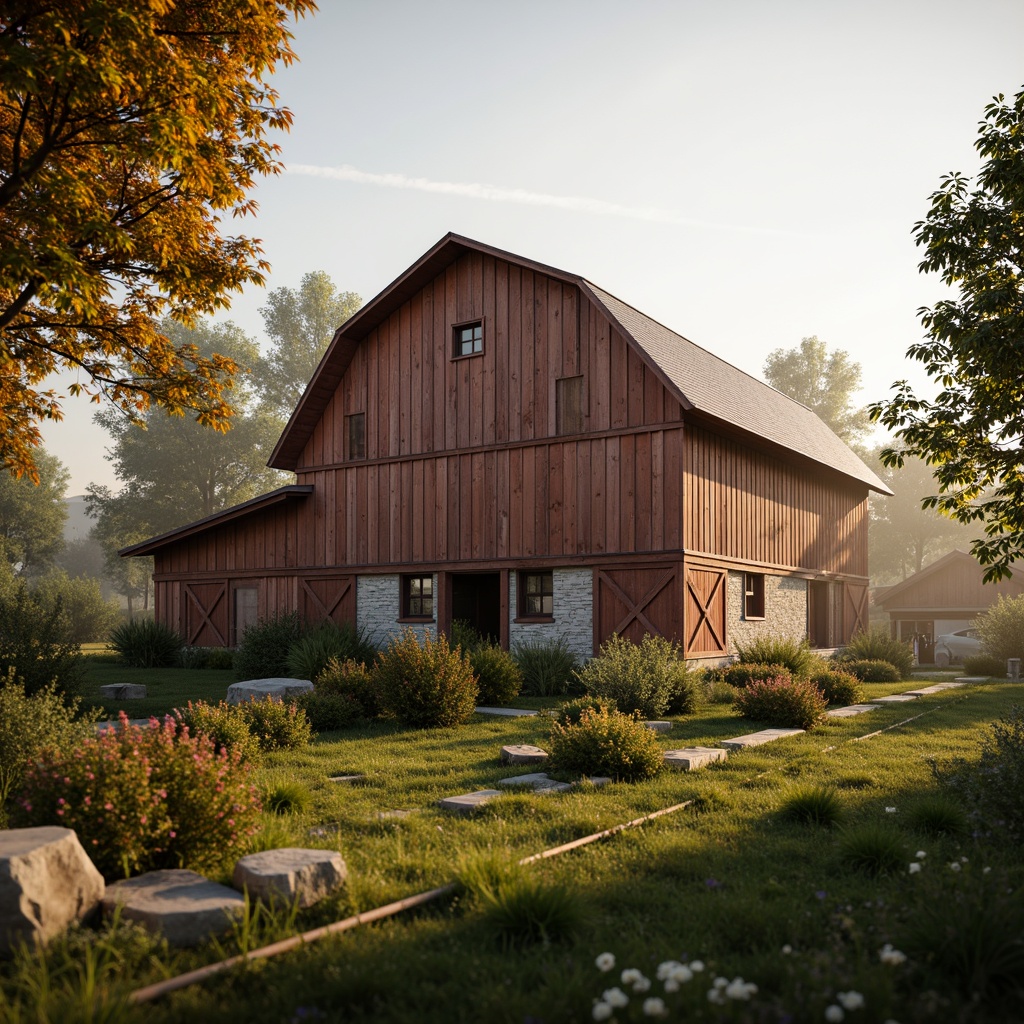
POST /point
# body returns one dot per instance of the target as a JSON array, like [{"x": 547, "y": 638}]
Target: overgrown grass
[{"x": 727, "y": 879}]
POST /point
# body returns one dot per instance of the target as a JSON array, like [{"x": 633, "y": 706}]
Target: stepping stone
[
  {"x": 468, "y": 802},
  {"x": 691, "y": 758},
  {"x": 123, "y": 691},
  {"x": 755, "y": 739},
  {"x": 927, "y": 691},
  {"x": 971, "y": 679},
  {"x": 346, "y": 778},
  {"x": 508, "y": 712},
  {"x": 851, "y": 710},
  {"x": 659, "y": 726},
  {"x": 180, "y": 905},
  {"x": 539, "y": 782},
  {"x": 47, "y": 881},
  {"x": 597, "y": 781},
  {"x": 894, "y": 698},
  {"x": 258, "y": 689},
  {"x": 522, "y": 753},
  {"x": 388, "y": 815},
  {"x": 290, "y": 874}
]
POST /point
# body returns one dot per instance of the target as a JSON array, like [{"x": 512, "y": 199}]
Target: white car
[{"x": 952, "y": 648}]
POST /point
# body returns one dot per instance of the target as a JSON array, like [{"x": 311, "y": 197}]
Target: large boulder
[
  {"x": 184, "y": 907},
  {"x": 47, "y": 882},
  {"x": 290, "y": 874},
  {"x": 258, "y": 689}
]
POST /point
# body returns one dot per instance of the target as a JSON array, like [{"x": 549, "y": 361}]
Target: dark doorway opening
[
  {"x": 818, "y": 630},
  {"x": 476, "y": 599}
]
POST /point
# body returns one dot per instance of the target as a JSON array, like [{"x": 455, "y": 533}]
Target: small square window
[
  {"x": 536, "y": 595},
  {"x": 355, "y": 430},
  {"x": 753, "y": 595},
  {"x": 468, "y": 339},
  {"x": 417, "y": 597}
]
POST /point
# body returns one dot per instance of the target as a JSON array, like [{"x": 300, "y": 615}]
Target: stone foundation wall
[
  {"x": 573, "y": 605},
  {"x": 378, "y": 607},
  {"x": 785, "y": 610}
]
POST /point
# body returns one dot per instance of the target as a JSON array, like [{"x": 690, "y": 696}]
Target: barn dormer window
[{"x": 468, "y": 339}]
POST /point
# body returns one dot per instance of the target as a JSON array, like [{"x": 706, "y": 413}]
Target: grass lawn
[{"x": 728, "y": 880}]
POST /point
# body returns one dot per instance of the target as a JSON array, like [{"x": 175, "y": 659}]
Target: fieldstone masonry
[
  {"x": 378, "y": 607},
  {"x": 785, "y": 609},
  {"x": 573, "y": 601}
]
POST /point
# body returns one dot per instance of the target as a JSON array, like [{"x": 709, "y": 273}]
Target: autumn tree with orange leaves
[{"x": 129, "y": 133}]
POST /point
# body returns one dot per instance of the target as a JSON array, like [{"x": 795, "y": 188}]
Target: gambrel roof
[{"x": 701, "y": 381}]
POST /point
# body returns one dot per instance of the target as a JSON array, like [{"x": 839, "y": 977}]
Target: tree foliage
[
  {"x": 825, "y": 382},
  {"x": 970, "y": 432},
  {"x": 128, "y": 132},
  {"x": 300, "y": 322},
  {"x": 32, "y": 516}
]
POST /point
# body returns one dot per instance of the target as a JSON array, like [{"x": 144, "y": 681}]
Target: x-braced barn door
[
  {"x": 328, "y": 597},
  {"x": 206, "y": 614},
  {"x": 635, "y": 602},
  {"x": 855, "y": 609},
  {"x": 705, "y": 611}
]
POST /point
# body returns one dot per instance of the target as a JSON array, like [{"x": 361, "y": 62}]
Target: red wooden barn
[{"x": 499, "y": 441}]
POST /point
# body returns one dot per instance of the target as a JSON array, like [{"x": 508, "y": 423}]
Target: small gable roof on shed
[{"x": 701, "y": 381}]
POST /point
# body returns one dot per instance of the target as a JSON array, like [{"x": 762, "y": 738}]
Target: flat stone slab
[
  {"x": 539, "y": 782},
  {"x": 522, "y": 753},
  {"x": 47, "y": 881},
  {"x": 346, "y": 778},
  {"x": 258, "y": 689},
  {"x": 755, "y": 739},
  {"x": 597, "y": 781},
  {"x": 691, "y": 758},
  {"x": 926, "y": 691},
  {"x": 291, "y": 874},
  {"x": 894, "y": 698},
  {"x": 851, "y": 710},
  {"x": 963, "y": 680},
  {"x": 123, "y": 691},
  {"x": 180, "y": 905},
  {"x": 508, "y": 712},
  {"x": 468, "y": 802},
  {"x": 659, "y": 726}
]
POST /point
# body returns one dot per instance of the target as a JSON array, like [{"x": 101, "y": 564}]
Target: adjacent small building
[{"x": 496, "y": 440}]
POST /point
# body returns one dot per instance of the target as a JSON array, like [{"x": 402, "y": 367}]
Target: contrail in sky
[{"x": 500, "y": 194}]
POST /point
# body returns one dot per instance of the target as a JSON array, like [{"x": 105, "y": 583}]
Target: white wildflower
[
  {"x": 954, "y": 866},
  {"x": 605, "y": 962},
  {"x": 654, "y": 1007},
  {"x": 716, "y": 995},
  {"x": 985, "y": 871},
  {"x": 674, "y": 971},
  {"x": 629, "y": 975},
  {"x": 671, "y": 985},
  {"x": 851, "y": 1000},
  {"x": 740, "y": 989},
  {"x": 834, "y": 1014},
  {"x": 697, "y": 965},
  {"x": 615, "y": 997},
  {"x": 915, "y": 867},
  {"x": 891, "y": 956},
  {"x": 601, "y": 1011},
  {"x": 921, "y": 854},
  {"x": 787, "y": 949},
  {"x": 888, "y": 810}
]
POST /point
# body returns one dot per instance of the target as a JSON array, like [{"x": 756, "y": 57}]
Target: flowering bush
[
  {"x": 223, "y": 723},
  {"x": 425, "y": 684},
  {"x": 606, "y": 743},
  {"x": 142, "y": 798},
  {"x": 744, "y": 673},
  {"x": 275, "y": 724},
  {"x": 782, "y": 703},
  {"x": 840, "y": 688},
  {"x": 353, "y": 679}
]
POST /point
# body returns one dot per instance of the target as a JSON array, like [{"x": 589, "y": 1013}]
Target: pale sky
[{"x": 748, "y": 173}]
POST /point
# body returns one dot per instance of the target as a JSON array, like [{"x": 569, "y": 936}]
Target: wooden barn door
[
  {"x": 206, "y": 614},
  {"x": 705, "y": 611},
  {"x": 855, "y": 609},
  {"x": 635, "y": 602},
  {"x": 332, "y": 598}
]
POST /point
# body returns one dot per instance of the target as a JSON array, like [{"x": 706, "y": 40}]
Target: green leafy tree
[
  {"x": 300, "y": 322},
  {"x": 970, "y": 432},
  {"x": 32, "y": 516},
  {"x": 823, "y": 381},
  {"x": 129, "y": 132},
  {"x": 905, "y": 534}
]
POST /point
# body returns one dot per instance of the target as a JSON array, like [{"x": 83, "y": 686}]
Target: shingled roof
[{"x": 701, "y": 381}]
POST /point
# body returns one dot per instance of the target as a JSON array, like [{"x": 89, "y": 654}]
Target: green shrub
[
  {"x": 572, "y": 710},
  {"x": 287, "y": 798},
  {"x": 462, "y": 634},
  {"x": 689, "y": 687},
  {"x": 717, "y": 691},
  {"x": 206, "y": 657},
  {"x": 308, "y": 656},
  {"x": 499, "y": 679},
  {"x": 144, "y": 798},
  {"x": 606, "y": 743},
  {"x": 425, "y": 684},
  {"x": 741, "y": 674},
  {"x": 36, "y": 643},
  {"x": 984, "y": 665},
  {"x": 351, "y": 679},
  {"x": 638, "y": 677},
  {"x": 223, "y": 723},
  {"x": 813, "y": 805},
  {"x": 873, "y": 849},
  {"x": 326, "y": 710},
  {"x": 548, "y": 666},
  {"x": 275, "y": 724},
  {"x": 796, "y": 655},
  {"x": 873, "y": 671},
  {"x": 263, "y": 650},
  {"x": 878, "y": 644},
  {"x": 1001, "y": 630},
  {"x": 89, "y": 616},
  {"x": 993, "y": 787},
  {"x": 938, "y": 814},
  {"x": 840, "y": 688},
  {"x": 782, "y": 703},
  {"x": 145, "y": 643},
  {"x": 29, "y": 723}
]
